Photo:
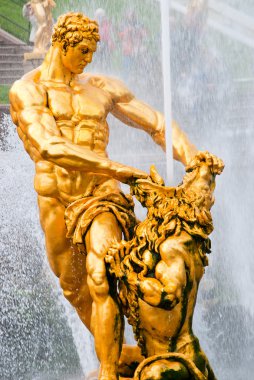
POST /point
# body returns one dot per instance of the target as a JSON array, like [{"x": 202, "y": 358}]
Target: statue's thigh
[
  {"x": 65, "y": 260},
  {"x": 104, "y": 231}
]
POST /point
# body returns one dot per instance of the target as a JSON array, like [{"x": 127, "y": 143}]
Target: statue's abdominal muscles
[{"x": 81, "y": 119}]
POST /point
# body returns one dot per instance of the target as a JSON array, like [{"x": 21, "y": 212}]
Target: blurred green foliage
[
  {"x": 4, "y": 94},
  {"x": 12, "y": 20}
]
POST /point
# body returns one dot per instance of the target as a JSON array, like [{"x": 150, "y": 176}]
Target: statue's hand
[
  {"x": 129, "y": 175},
  {"x": 168, "y": 301},
  {"x": 114, "y": 261}
]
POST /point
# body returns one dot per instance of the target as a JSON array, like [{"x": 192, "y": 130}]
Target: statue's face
[{"x": 76, "y": 58}]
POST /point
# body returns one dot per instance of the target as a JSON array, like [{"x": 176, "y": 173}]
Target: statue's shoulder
[
  {"x": 28, "y": 91},
  {"x": 113, "y": 86}
]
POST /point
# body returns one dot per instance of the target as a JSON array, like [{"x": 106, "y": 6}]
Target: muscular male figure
[{"x": 60, "y": 115}]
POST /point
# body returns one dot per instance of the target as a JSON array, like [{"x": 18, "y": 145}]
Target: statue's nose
[{"x": 89, "y": 57}]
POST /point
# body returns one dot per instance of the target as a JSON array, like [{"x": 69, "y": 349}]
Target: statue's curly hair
[{"x": 71, "y": 28}]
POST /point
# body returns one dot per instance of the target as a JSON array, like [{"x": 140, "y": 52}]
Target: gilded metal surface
[
  {"x": 161, "y": 267},
  {"x": 60, "y": 115}
]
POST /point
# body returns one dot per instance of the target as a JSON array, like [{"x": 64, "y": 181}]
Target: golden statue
[
  {"x": 60, "y": 115},
  {"x": 42, "y": 12}
]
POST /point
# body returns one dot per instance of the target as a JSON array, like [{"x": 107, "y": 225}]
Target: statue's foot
[
  {"x": 103, "y": 376},
  {"x": 129, "y": 360},
  {"x": 108, "y": 374},
  {"x": 108, "y": 377}
]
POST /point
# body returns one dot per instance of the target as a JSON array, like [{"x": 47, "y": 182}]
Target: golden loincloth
[{"x": 80, "y": 214}]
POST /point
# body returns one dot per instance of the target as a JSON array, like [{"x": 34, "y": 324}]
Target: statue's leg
[
  {"x": 40, "y": 15},
  {"x": 66, "y": 262},
  {"x": 106, "y": 321}
]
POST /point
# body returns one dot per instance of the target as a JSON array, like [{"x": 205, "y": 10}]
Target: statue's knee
[{"x": 98, "y": 283}]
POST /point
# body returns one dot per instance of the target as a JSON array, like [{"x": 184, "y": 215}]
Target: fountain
[{"x": 224, "y": 310}]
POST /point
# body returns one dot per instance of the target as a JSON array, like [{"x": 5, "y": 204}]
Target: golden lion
[{"x": 159, "y": 271}]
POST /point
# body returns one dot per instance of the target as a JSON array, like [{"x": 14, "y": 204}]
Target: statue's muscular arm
[
  {"x": 38, "y": 129},
  {"x": 165, "y": 290},
  {"x": 138, "y": 114}
]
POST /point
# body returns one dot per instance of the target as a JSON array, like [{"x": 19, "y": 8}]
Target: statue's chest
[{"x": 77, "y": 104}]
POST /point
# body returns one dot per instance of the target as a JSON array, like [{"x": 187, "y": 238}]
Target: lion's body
[{"x": 161, "y": 267}]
